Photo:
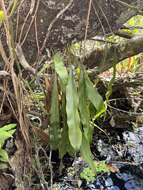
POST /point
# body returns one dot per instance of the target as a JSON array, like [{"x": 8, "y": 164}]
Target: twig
[
  {"x": 52, "y": 24},
  {"x": 23, "y": 61},
  {"x": 51, "y": 169},
  {"x": 99, "y": 19},
  {"x": 22, "y": 28},
  {"x": 106, "y": 19},
  {"x": 36, "y": 35},
  {"x": 33, "y": 18},
  {"x": 3, "y": 54},
  {"x": 33, "y": 2},
  {"x": 102, "y": 39},
  {"x": 17, "y": 20},
  {"x": 14, "y": 6},
  {"x": 87, "y": 21},
  {"x": 4, "y": 75},
  {"x": 39, "y": 168}
]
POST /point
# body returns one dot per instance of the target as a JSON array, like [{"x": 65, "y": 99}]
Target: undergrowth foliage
[
  {"x": 73, "y": 93},
  {"x": 70, "y": 116},
  {"x": 5, "y": 133}
]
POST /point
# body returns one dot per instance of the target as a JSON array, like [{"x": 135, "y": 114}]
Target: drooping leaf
[
  {"x": 3, "y": 156},
  {"x": 83, "y": 102},
  {"x": 60, "y": 69},
  {"x": 94, "y": 96},
  {"x": 73, "y": 119},
  {"x": 54, "y": 117},
  {"x": 65, "y": 146},
  {"x": 86, "y": 153},
  {"x": 84, "y": 107}
]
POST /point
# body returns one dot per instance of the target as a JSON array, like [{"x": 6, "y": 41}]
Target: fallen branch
[{"x": 103, "y": 59}]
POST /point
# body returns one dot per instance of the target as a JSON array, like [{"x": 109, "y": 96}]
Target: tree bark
[
  {"x": 105, "y": 58},
  {"x": 58, "y": 23},
  {"x": 41, "y": 25}
]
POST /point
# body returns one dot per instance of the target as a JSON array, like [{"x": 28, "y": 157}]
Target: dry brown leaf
[{"x": 112, "y": 168}]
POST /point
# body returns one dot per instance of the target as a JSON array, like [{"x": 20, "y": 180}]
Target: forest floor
[{"x": 117, "y": 144}]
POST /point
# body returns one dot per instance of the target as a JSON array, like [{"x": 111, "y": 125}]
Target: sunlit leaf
[
  {"x": 6, "y": 132},
  {"x": 135, "y": 21},
  {"x": 8, "y": 127},
  {"x": 3, "y": 156},
  {"x": 4, "y": 136},
  {"x": 2, "y": 16},
  {"x": 73, "y": 119}
]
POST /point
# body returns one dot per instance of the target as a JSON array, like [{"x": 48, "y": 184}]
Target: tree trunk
[{"x": 58, "y": 23}]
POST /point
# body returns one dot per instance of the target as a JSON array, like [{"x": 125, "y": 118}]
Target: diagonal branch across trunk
[{"x": 105, "y": 58}]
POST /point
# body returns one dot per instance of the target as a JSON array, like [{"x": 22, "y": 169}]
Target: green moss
[{"x": 88, "y": 174}]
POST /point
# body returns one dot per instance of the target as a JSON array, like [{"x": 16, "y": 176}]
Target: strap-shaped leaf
[
  {"x": 8, "y": 127},
  {"x": 65, "y": 146},
  {"x": 94, "y": 96},
  {"x": 54, "y": 117},
  {"x": 60, "y": 69},
  {"x": 84, "y": 107},
  {"x": 73, "y": 119},
  {"x": 83, "y": 103},
  {"x": 86, "y": 153}
]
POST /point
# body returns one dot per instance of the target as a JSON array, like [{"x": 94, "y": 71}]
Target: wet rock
[
  {"x": 106, "y": 152},
  {"x": 123, "y": 180},
  {"x": 126, "y": 146},
  {"x": 124, "y": 151},
  {"x": 128, "y": 178},
  {"x": 67, "y": 187},
  {"x": 134, "y": 144}
]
